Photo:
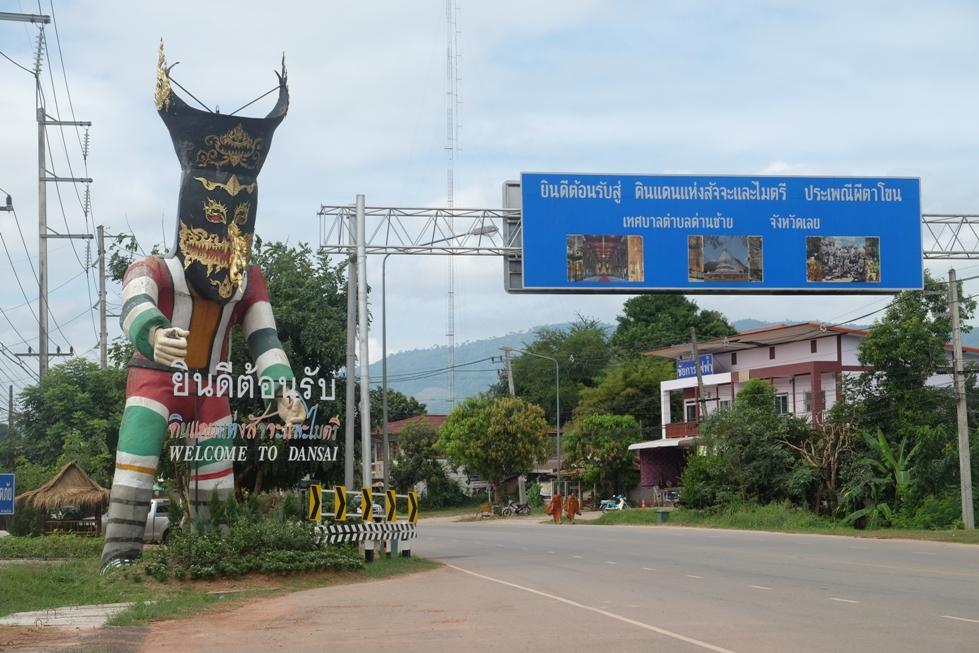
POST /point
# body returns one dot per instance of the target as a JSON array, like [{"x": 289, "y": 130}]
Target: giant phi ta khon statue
[{"x": 182, "y": 306}]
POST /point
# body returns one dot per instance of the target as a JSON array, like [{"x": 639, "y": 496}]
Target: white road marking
[
  {"x": 611, "y": 562},
  {"x": 971, "y": 621},
  {"x": 833, "y": 598},
  {"x": 760, "y": 587},
  {"x": 692, "y": 576},
  {"x": 579, "y": 557},
  {"x": 648, "y": 569},
  {"x": 551, "y": 552},
  {"x": 611, "y": 615}
]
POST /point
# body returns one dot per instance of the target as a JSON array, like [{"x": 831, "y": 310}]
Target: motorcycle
[
  {"x": 617, "y": 502},
  {"x": 512, "y": 508}
]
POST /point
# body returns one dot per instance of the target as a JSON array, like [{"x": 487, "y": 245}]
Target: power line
[
  {"x": 58, "y": 287},
  {"x": 13, "y": 269},
  {"x": 26, "y": 70},
  {"x": 23, "y": 242}
]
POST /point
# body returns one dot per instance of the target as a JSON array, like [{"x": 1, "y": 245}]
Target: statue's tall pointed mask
[{"x": 220, "y": 158}]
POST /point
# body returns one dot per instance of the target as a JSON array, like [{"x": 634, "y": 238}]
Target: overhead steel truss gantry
[
  {"x": 390, "y": 230},
  {"x": 497, "y": 232},
  {"x": 950, "y": 236}
]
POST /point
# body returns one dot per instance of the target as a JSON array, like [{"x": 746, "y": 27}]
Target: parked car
[
  {"x": 376, "y": 508},
  {"x": 157, "y": 522}
]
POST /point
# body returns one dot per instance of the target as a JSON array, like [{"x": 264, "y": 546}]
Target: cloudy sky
[{"x": 839, "y": 88}]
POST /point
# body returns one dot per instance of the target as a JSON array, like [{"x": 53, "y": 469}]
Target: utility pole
[
  {"x": 348, "y": 433},
  {"x": 965, "y": 464},
  {"x": 700, "y": 377},
  {"x": 103, "y": 330},
  {"x": 10, "y": 423},
  {"x": 365, "y": 395},
  {"x": 43, "y": 178},
  {"x": 509, "y": 372}
]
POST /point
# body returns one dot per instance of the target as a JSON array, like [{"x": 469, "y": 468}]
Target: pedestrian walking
[
  {"x": 555, "y": 506},
  {"x": 573, "y": 507}
]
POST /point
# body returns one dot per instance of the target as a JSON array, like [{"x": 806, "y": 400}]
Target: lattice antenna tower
[{"x": 452, "y": 127}]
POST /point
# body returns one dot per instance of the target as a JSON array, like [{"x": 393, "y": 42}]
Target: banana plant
[{"x": 893, "y": 472}]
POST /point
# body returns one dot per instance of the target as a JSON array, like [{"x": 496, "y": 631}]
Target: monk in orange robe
[
  {"x": 555, "y": 507},
  {"x": 573, "y": 507}
]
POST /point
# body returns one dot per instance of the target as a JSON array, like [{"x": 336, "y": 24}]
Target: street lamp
[
  {"x": 386, "y": 453},
  {"x": 557, "y": 395}
]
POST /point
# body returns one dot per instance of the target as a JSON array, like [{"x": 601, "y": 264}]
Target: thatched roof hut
[{"x": 71, "y": 486}]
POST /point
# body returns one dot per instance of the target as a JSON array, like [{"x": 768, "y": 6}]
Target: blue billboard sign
[
  {"x": 685, "y": 366},
  {"x": 8, "y": 491},
  {"x": 720, "y": 234}
]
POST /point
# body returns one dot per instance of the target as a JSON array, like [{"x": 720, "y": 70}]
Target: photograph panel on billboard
[{"x": 721, "y": 234}]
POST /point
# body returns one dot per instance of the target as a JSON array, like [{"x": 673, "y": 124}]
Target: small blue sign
[
  {"x": 8, "y": 489},
  {"x": 685, "y": 366},
  {"x": 720, "y": 234}
]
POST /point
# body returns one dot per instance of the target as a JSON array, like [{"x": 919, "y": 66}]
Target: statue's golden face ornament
[{"x": 220, "y": 157}]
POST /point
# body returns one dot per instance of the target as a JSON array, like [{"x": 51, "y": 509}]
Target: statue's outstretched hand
[
  {"x": 169, "y": 345},
  {"x": 291, "y": 408}
]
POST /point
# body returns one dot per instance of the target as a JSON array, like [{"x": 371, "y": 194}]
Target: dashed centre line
[
  {"x": 693, "y": 576},
  {"x": 578, "y": 557},
  {"x": 971, "y": 621},
  {"x": 760, "y": 587},
  {"x": 833, "y": 598},
  {"x": 648, "y": 569},
  {"x": 611, "y": 562},
  {"x": 605, "y": 613}
]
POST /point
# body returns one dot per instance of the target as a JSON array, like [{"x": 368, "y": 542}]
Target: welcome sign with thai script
[{"x": 730, "y": 234}]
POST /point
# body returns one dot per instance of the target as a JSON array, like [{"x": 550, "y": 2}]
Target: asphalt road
[
  {"x": 519, "y": 585},
  {"x": 682, "y": 589}
]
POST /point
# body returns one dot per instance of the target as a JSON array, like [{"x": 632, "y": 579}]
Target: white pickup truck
[{"x": 157, "y": 522}]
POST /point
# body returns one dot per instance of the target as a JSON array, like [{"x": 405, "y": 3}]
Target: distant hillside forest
[{"x": 421, "y": 373}]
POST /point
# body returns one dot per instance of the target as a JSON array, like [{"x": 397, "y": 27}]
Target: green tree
[
  {"x": 907, "y": 345},
  {"x": 495, "y": 438},
  {"x": 628, "y": 387},
  {"x": 582, "y": 351},
  {"x": 651, "y": 321},
  {"x": 418, "y": 462},
  {"x": 73, "y": 412},
  {"x": 400, "y": 406},
  {"x": 599, "y": 447},
  {"x": 417, "y": 458},
  {"x": 905, "y": 348},
  {"x": 749, "y": 443},
  {"x": 307, "y": 293}
]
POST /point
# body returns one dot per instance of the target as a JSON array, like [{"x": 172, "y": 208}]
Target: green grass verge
[
  {"x": 50, "y": 547},
  {"x": 31, "y": 586},
  {"x": 386, "y": 567},
  {"x": 773, "y": 517},
  {"x": 35, "y": 586},
  {"x": 172, "y": 606}
]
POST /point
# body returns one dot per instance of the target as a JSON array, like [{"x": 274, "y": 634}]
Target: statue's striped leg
[
  {"x": 213, "y": 470},
  {"x": 144, "y": 425}
]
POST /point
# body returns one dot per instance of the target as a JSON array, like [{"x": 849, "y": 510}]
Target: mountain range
[{"x": 422, "y": 373}]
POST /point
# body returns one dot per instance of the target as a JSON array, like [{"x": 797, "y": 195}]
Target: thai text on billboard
[{"x": 628, "y": 233}]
